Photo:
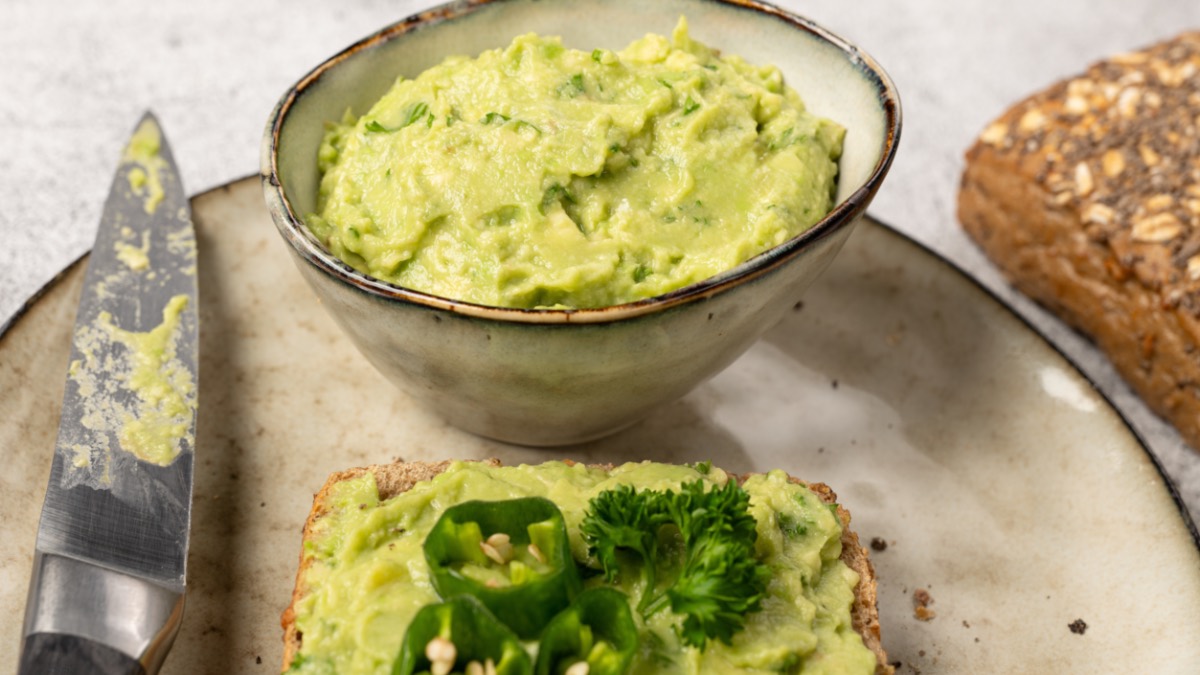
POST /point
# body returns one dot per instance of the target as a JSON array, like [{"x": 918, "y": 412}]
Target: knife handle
[
  {"x": 82, "y": 619},
  {"x": 60, "y": 654}
]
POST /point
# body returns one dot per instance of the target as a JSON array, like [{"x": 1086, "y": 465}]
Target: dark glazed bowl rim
[{"x": 293, "y": 229}]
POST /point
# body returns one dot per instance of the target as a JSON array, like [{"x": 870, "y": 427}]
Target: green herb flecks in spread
[
  {"x": 540, "y": 176},
  {"x": 367, "y": 579}
]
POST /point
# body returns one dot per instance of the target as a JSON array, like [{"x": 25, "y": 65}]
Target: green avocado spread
[
  {"x": 152, "y": 413},
  {"x": 142, "y": 152},
  {"x": 367, "y": 577},
  {"x": 538, "y": 176}
]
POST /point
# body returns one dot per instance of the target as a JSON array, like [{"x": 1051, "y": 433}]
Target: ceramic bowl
[{"x": 555, "y": 377}]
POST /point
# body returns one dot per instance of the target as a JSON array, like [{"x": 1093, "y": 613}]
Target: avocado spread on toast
[{"x": 366, "y": 574}]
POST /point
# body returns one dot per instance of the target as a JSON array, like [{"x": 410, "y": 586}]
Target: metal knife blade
[{"x": 110, "y": 564}]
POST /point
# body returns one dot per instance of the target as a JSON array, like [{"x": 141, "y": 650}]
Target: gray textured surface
[{"x": 77, "y": 75}]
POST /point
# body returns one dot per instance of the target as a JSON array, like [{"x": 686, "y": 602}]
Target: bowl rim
[{"x": 295, "y": 232}]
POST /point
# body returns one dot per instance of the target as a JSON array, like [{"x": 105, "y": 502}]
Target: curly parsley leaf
[
  {"x": 624, "y": 518},
  {"x": 721, "y": 580}
]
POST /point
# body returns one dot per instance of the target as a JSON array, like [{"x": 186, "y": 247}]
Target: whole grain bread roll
[
  {"x": 392, "y": 479},
  {"x": 1087, "y": 196}
]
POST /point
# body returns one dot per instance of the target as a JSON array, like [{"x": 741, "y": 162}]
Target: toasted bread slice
[{"x": 393, "y": 479}]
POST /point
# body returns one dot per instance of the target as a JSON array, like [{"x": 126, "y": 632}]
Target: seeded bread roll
[
  {"x": 392, "y": 479},
  {"x": 1087, "y": 196}
]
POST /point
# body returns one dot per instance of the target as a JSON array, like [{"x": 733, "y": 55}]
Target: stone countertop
[{"x": 77, "y": 75}]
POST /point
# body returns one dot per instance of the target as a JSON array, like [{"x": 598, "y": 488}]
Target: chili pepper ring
[
  {"x": 470, "y": 632},
  {"x": 512, "y": 555},
  {"x": 597, "y": 629}
]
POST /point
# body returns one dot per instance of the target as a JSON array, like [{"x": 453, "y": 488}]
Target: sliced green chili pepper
[
  {"x": 512, "y": 555},
  {"x": 446, "y": 637},
  {"x": 597, "y": 628}
]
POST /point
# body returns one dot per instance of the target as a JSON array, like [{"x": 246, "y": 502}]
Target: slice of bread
[
  {"x": 392, "y": 479},
  {"x": 1087, "y": 196}
]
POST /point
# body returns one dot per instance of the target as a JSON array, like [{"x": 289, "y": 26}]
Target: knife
[{"x": 110, "y": 566}]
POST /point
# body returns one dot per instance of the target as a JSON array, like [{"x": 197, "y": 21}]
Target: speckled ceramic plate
[{"x": 1000, "y": 481}]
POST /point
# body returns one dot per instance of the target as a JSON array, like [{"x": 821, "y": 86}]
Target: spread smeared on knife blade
[
  {"x": 134, "y": 389},
  {"x": 136, "y": 258},
  {"x": 183, "y": 243},
  {"x": 143, "y": 152}
]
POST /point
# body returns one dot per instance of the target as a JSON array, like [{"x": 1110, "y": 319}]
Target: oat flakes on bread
[
  {"x": 393, "y": 479},
  {"x": 1087, "y": 196}
]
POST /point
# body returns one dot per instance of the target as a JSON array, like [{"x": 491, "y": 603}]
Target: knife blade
[{"x": 110, "y": 564}]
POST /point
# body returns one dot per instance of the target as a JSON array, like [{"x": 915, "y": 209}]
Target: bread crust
[
  {"x": 393, "y": 479},
  {"x": 1087, "y": 196}
]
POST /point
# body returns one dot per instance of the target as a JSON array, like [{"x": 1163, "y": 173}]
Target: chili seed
[
  {"x": 502, "y": 545},
  {"x": 441, "y": 654},
  {"x": 491, "y": 552},
  {"x": 537, "y": 553}
]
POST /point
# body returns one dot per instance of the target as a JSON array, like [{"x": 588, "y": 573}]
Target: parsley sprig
[{"x": 720, "y": 581}]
